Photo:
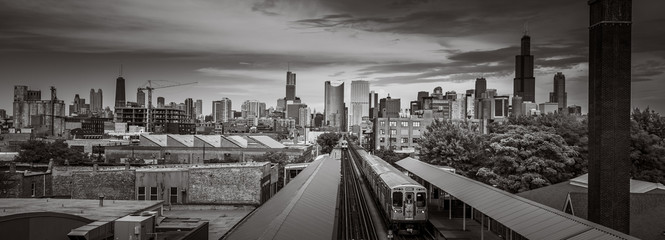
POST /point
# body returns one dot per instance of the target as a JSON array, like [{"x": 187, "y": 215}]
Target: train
[
  {"x": 402, "y": 201},
  {"x": 344, "y": 144}
]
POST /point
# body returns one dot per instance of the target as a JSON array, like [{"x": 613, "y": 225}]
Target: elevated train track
[{"x": 356, "y": 220}]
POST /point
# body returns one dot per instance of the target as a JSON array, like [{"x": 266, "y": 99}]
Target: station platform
[{"x": 454, "y": 228}]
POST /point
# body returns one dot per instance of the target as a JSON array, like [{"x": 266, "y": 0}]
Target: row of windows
[
  {"x": 152, "y": 195},
  {"x": 402, "y": 140},
  {"x": 403, "y": 123}
]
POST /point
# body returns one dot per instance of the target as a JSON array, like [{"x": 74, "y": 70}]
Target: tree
[
  {"x": 647, "y": 148},
  {"x": 528, "y": 157},
  {"x": 328, "y": 141},
  {"x": 35, "y": 151},
  {"x": 273, "y": 157},
  {"x": 389, "y": 155},
  {"x": 454, "y": 145}
]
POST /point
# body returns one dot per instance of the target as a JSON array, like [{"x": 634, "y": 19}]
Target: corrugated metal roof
[
  {"x": 636, "y": 186},
  {"x": 159, "y": 140},
  {"x": 180, "y": 140},
  {"x": 268, "y": 141},
  {"x": 238, "y": 140},
  {"x": 530, "y": 219},
  {"x": 303, "y": 209},
  {"x": 212, "y": 140}
]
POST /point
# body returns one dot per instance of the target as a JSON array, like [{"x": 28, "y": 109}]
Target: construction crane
[{"x": 149, "y": 88}]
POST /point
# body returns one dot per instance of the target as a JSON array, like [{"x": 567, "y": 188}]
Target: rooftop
[{"x": 89, "y": 209}]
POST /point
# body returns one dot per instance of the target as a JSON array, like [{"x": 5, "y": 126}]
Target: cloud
[{"x": 265, "y": 7}]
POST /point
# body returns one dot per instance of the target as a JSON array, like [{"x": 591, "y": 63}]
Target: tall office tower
[
  {"x": 189, "y": 109},
  {"x": 524, "y": 82},
  {"x": 517, "y": 106},
  {"x": 3, "y": 114},
  {"x": 221, "y": 110},
  {"x": 253, "y": 108},
  {"x": 359, "y": 103},
  {"x": 77, "y": 105},
  {"x": 334, "y": 104},
  {"x": 140, "y": 98},
  {"x": 390, "y": 107},
  {"x": 96, "y": 101},
  {"x": 281, "y": 105},
  {"x": 451, "y": 95},
  {"x": 560, "y": 95},
  {"x": 490, "y": 93},
  {"x": 160, "y": 102},
  {"x": 609, "y": 113},
  {"x": 293, "y": 112},
  {"x": 438, "y": 93},
  {"x": 481, "y": 87},
  {"x": 373, "y": 105},
  {"x": 290, "y": 86},
  {"x": 198, "y": 108},
  {"x": 120, "y": 100}
]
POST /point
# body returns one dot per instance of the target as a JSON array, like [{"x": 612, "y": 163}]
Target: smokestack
[{"x": 101, "y": 199}]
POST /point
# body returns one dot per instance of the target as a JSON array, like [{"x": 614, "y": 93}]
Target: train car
[
  {"x": 402, "y": 200},
  {"x": 343, "y": 144}
]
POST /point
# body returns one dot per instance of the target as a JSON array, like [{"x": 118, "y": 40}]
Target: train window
[
  {"x": 420, "y": 199},
  {"x": 397, "y": 199}
]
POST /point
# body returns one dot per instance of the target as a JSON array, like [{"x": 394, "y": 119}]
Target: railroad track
[{"x": 355, "y": 221}]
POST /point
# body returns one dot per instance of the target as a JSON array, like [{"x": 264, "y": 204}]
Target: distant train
[
  {"x": 343, "y": 144},
  {"x": 402, "y": 200}
]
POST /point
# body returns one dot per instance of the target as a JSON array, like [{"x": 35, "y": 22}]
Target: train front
[{"x": 409, "y": 209}]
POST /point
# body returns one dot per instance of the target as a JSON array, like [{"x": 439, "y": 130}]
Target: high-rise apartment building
[
  {"x": 221, "y": 110},
  {"x": 198, "y": 108},
  {"x": 334, "y": 104},
  {"x": 189, "y": 109},
  {"x": 609, "y": 113},
  {"x": 96, "y": 101},
  {"x": 524, "y": 82},
  {"x": 559, "y": 95},
  {"x": 359, "y": 101},
  {"x": 253, "y": 108},
  {"x": 390, "y": 107},
  {"x": 140, "y": 98},
  {"x": 290, "y": 85}
]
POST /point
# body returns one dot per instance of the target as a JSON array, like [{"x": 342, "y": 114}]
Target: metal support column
[{"x": 464, "y": 218}]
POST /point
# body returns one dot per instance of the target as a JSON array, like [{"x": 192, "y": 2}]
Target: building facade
[
  {"x": 524, "y": 82},
  {"x": 334, "y": 104},
  {"x": 559, "y": 95},
  {"x": 399, "y": 133},
  {"x": 221, "y": 110},
  {"x": 359, "y": 101},
  {"x": 45, "y": 116},
  {"x": 290, "y": 85}
]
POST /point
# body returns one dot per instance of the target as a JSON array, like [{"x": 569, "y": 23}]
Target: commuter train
[
  {"x": 343, "y": 144},
  {"x": 402, "y": 200}
]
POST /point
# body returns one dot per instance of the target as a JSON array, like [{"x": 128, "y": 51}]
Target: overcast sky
[{"x": 240, "y": 49}]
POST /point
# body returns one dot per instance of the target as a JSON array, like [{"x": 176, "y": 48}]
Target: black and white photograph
[{"x": 332, "y": 119}]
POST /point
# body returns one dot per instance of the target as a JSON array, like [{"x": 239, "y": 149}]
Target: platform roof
[
  {"x": 303, "y": 209},
  {"x": 527, "y": 218}
]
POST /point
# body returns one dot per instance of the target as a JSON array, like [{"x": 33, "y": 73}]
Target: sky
[{"x": 241, "y": 49}]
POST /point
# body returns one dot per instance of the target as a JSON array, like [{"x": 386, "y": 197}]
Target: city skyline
[{"x": 400, "y": 47}]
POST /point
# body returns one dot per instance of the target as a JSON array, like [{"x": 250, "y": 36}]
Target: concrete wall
[
  {"x": 22, "y": 185},
  {"x": 84, "y": 183},
  {"x": 189, "y": 154},
  {"x": 241, "y": 185},
  {"x": 164, "y": 181}
]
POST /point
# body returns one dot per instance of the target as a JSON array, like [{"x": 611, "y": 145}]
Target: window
[
  {"x": 393, "y": 140},
  {"x": 141, "y": 195},
  {"x": 393, "y": 123},
  {"x": 174, "y": 195},
  {"x": 382, "y": 123},
  {"x": 404, "y": 123},
  {"x": 405, "y": 140},
  {"x": 416, "y": 124},
  {"x": 415, "y": 140},
  {"x": 393, "y": 131},
  {"x": 382, "y": 140},
  {"x": 383, "y": 132},
  {"x": 33, "y": 189},
  {"x": 153, "y": 193},
  {"x": 420, "y": 199},
  {"x": 397, "y": 199}
]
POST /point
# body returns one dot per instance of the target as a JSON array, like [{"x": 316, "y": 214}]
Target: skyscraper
[
  {"x": 524, "y": 82},
  {"x": 189, "y": 109},
  {"x": 140, "y": 98},
  {"x": 609, "y": 113},
  {"x": 334, "y": 104},
  {"x": 198, "y": 108},
  {"x": 559, "y": 95},
  {"x": 390, "y": 107},
  {"x": 221, "y": 110},
  {"x": 253, "y": 108},
  {"x": 481, "y": 87},
  {"x": 96, "y": 101},
  {"x": 120, "y": 100},
  {"x": 359, "y": 101},
  {"x": 373, "y": 105},
  {"x": 290, "y": 86}
]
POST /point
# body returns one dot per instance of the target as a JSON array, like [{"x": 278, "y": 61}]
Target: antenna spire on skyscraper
[
  {"x": 120, "y": 71},
  {"x": 526, "y": 28}
]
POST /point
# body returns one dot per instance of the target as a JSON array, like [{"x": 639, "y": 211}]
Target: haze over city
[{"x": 241, "y": 49}]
